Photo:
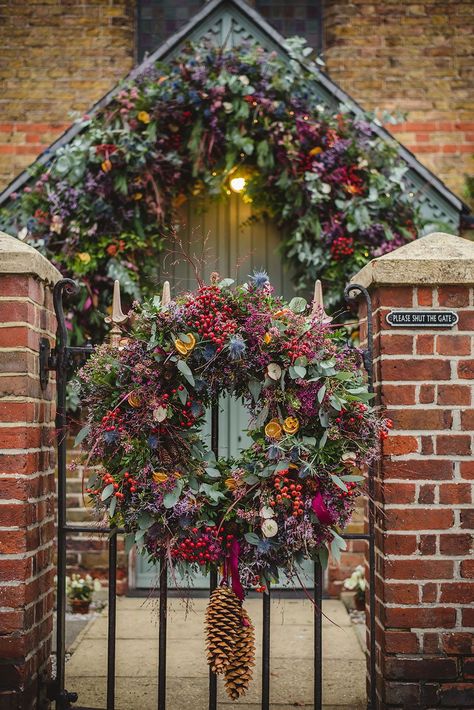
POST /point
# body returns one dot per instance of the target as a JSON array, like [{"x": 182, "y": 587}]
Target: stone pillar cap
[
  {"x": 437, "y": 258},
  {"x": 16, "y": 257}
]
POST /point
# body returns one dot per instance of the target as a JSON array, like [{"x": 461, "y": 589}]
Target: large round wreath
[
  {"x": 108, "y": 199},
  {"x": 287, "y": 496}
]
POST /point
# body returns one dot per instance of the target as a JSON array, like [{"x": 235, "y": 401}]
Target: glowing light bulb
[{"x": 237, "y": 184}]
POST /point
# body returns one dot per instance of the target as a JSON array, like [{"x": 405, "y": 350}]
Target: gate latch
[{"x": 47, "y": 362}]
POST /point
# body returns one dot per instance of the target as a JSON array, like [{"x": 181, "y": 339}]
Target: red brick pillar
[
  {"x": 425, "y": 520},
  {"x": 27, "y": 485}
]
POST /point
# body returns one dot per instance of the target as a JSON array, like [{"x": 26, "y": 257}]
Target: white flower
[
  {"x": 160, "y": 414},
  {"x": 270, "y": 527},
  {"x": 267, "y": 512},
  {"x": 325, "y": 188},
  {"x": 244, "y": 79},
  {"x": 274, "y": 371},
  {"x": 228, "y": 108}
]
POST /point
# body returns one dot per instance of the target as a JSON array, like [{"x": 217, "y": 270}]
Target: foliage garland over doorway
[{"x": 108, "y": 200}]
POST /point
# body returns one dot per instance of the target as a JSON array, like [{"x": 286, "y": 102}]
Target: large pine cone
[
  {"x": 223, "y": 624},
  {"x": 238, "y": 673}
]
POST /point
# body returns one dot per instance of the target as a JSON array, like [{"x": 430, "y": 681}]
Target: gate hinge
[
  {"x": 63, "y": 697},
  {"x": 47, "y": 362}
]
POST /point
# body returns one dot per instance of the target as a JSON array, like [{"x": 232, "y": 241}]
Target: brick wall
[
  {"x": 424, "y": 486},
  {"x": 26, "y": 475},
  {"x": 417, "y": 57},
  {"x": 59, "y": 57}
]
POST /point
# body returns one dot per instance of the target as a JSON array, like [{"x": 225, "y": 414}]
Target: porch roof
[{"x": 229, "y": 22}]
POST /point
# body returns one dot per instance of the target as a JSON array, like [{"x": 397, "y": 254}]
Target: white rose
[
  {"x": 267, "y": 512},
  {"x": 244, "y": 80},
  {"x": 228, "y": 108},
  {"x": 270, "y": 527}
]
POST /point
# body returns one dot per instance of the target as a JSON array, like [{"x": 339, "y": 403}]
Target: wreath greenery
[
  {"x": 109, "y": 198},
  {"x": 313, "y": 432}
]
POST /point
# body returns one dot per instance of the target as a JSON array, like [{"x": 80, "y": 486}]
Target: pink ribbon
[
  {"x": 234, "y": 569},
  {"x": 319, "y": 507}
]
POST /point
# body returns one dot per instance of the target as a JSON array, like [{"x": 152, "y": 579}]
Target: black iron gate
[{"x": 62, "y": 361}]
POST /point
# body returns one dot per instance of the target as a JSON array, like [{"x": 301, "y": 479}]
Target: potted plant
[
  {"x": 356, "y": 583},
  {"x": 79, "y": 591}
]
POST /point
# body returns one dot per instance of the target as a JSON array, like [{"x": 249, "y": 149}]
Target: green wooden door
[{"x": 221, "y": 239}]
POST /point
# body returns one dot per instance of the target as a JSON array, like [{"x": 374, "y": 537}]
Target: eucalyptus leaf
[
  {"x": 298, "y": 304},
  {"x": 107, "y": 492},
  {"x": 255, "y": 388},
  {"x": 213, "y": 472},
  {"x": 252, "y": 538},
  {"x": 338, "y": 482},
  {"x": 82, "y": 435},
  {"x": 171, "y": 498},
  {"x": 185, "y": 370}
]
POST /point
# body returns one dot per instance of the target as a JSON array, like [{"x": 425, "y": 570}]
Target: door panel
[{"x": 222, "y": 239}]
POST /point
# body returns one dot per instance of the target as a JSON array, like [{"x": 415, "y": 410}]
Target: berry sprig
[
  {"x": 288, "y": 494},
  {"x": 213, "y": 317},
  {"x": 203, "y": 546}
]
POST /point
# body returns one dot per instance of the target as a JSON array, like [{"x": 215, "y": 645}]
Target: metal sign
[{"x": 422, "y": 319}]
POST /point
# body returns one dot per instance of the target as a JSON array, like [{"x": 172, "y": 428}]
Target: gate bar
[
  {"x": 163, "y": 614},
  {"x": 266, "y": 649},
  {"x": 318, "y": 636},
  {"x": 213, "y": 573},
  {"x": 368, "y": 359},
  {"x": 111, "y": 630}
]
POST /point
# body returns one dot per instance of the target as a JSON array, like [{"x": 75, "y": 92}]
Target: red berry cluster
[
  {"x": 341, "y": 247},
  {"x": 384, "y": 432},
  {"x": 128, "y": 482},
  {"x": 296, "y": 347},
  {"x": 204, "y": 546},
  {"x": 112, "y": 421},
  {"x": 287, "y": 493},
  {"x": 213, "y": 318},
  {"x": 355, "y": 416},
  {"x": 258, "y": 587},
  {"x": 351, "y": 490}
]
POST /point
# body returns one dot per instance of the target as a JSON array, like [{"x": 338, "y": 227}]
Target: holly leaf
[{"x": 185, "y": 370}]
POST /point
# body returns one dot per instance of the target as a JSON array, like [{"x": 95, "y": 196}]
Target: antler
[
  {"x": 118, "y": 317},
  {"x": 318, "y": 303}
]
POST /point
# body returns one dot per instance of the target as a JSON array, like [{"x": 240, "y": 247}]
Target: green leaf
[
  {"x": 255, "y": 388},
  {"x": 112, "y": 506},
  {"x": 337, "y": 545},
  {"x": 183, "y": 395},
  {"x": 170, "y": 499},
  {"x": 282, "y": 466},
  {"x": 129, "y": 542},
  {"x": 323, "y": 554},
  {"x": 297, "y": 304},
  {"x": 252, "y": 538},
  {"x": 225, "y": 283},
  {"x": 323, "y": 439},
  {"x": 213, "y": 472},
  {"x": 352, "y": 478},
  {"x": 300, "y": 371},
  {"x": 185, "y": 370},
  {"x": 338, "y": 482},
  {"x": 82, "y": 435},
  {"x": 107, "y": 492},
  {"x": 251, "y": 478},
  {"x": 145, "y": 520},
  {"x": 321, "y": 393}
]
